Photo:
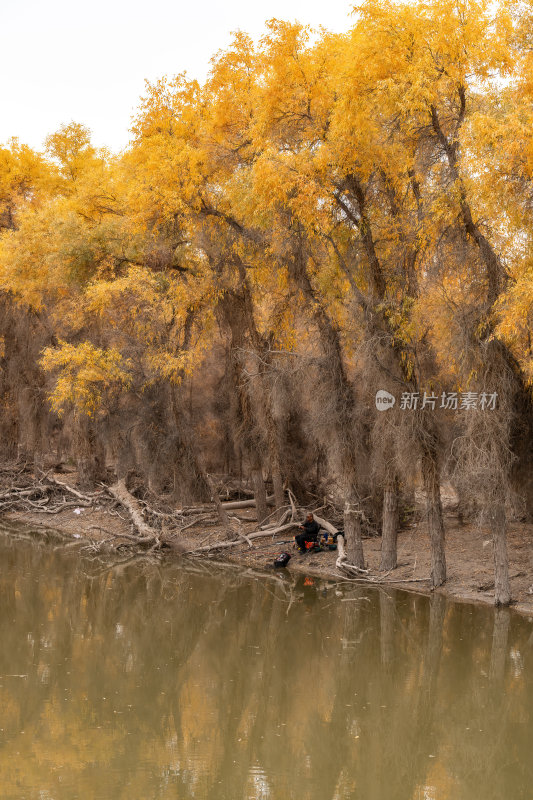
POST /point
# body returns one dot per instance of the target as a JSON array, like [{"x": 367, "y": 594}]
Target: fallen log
[
  {"x": 246, "y": 503},
  {"x": 284, "y": 517},
  {"x": 65, "y": 487},
  {"x": 245, "y": 537},
  {"x": 325, "y": 524},
  {"x": 251, "y": 536},
  {"x": 57, "y": 509},
  {"x": 236, "y": 489},
  {"x": 133, "y": 507},
  {"x": 188, "y": 511},
  {"x": 232, "y": 504},
  {"x": 15, "y": 492}
]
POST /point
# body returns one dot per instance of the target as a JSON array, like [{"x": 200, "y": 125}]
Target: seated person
[{"x": 310, "y": 530}]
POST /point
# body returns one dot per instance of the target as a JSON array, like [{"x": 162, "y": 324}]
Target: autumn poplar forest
[{"x": 326, "y": 218}]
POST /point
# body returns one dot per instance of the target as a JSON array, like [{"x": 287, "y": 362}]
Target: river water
[{"x": 196, "y": 680}]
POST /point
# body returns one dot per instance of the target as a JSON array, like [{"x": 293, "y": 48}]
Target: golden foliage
[
  {"x": 87, "y": 375},
  {"x": 347, "y": 161}
]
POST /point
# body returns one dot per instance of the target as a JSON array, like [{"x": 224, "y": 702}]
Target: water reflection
[{"x": 199, "y": 681}]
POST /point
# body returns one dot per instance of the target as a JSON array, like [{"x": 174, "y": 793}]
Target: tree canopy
[{"x": 326, "y": 216}]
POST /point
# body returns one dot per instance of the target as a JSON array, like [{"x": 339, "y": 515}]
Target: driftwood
[
  {"x": 281, "y": 521},
  {"x": 255, "y": 535},
  {"x": 245, "y": 537},
  {"x": 56, "y": 509},
  {"x": 148, "y": 534},
  {"x": 292, "y": 501},
  {"x": 245, "y": 503},
  {"x": 189, "y": 511},
  {"x": 40, "y": 498},
  {"x": 219, "y": 506},
  {"x": 325, "y": 524},
  {"x": 43, "y": 495},
  {"x": 86, "y": 498}
]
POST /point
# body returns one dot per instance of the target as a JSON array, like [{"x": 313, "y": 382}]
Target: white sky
[{"x": 64, "y": 60}]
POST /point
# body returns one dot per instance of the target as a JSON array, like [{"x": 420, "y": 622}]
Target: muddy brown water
[{"x": 197, "y": 680}]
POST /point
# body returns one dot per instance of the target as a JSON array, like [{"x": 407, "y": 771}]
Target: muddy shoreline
[{"x": 468, "y": 552}]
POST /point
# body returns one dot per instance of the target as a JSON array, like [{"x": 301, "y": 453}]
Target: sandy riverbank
[{"x": 468, "y": 552}]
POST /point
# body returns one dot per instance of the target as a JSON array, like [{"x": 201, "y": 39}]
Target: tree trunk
[
  {"x": 89, "y": 455},
  {"x": 24, "y": 455},
  {"x": 190, "y": 480},
  {"x": 155, "y": 478},
  {"x": 221, "y": 511},
  {"x": 279, "y": 492},
  {"x": 259, "y": 488},
  {"x": 124, "y": 459},
  {"x": 255, "y": 431},
  {"x": 345, "y": 443},
  {"x": 352, "y": 535},
  {"x": 389, "y": 535},
  {"x": 38, "y": 462},
  {"x": 502, "y": 587},
  {"x": 274, "y": 436},
  {"x": 431, "y": 476}
]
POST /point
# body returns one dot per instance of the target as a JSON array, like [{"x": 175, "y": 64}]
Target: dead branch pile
[
  {"x": 44, "y": 496},
  {"x": 154, "y": 525}
]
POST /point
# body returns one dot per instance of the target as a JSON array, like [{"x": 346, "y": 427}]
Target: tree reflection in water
[{"x": 196, "y": 680}]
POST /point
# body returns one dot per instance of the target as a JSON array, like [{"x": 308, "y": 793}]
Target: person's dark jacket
[{"x": 311, "y": 529}]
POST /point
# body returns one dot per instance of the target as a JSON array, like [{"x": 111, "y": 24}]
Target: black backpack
[{"x": 282, "y": 560}]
